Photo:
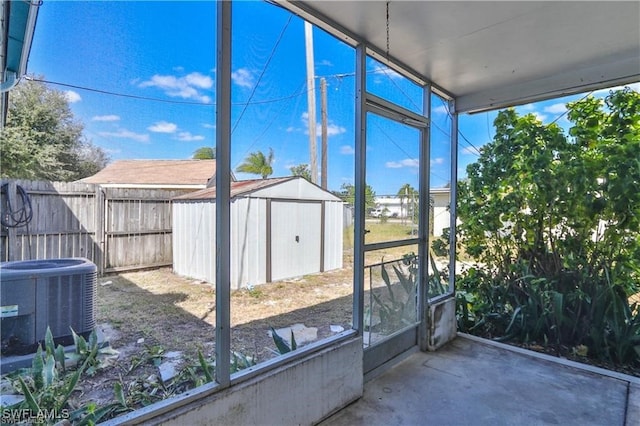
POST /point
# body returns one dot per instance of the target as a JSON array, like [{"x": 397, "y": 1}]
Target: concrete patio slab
[{"x": 471, "y": 382}]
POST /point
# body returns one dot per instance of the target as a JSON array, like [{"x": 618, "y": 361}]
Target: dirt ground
[{"x": 147, "y": 315}]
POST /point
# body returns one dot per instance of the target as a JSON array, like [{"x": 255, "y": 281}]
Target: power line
[
  {"x": 264, "y": 69},
  {"x": 124, "y": 95},
  {"x": 446, "y": 107},
  {"x": 566, "y": 111},
  {"x": 264, "y": 131},
  {"x": 146, "y": 98},
  {"x": 402, "y": 149}
]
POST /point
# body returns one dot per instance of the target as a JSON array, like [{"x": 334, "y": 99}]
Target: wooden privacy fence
[{"x": 116, "y": 228}]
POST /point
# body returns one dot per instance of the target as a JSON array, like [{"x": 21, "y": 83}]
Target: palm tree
[
  {"x": 406, "y": 192},
  {"x": 257, "y": 164},
  {"x": 204, "y": 153}
]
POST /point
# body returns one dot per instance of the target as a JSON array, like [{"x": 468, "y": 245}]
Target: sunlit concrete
[{"x": 473, "y": 382}]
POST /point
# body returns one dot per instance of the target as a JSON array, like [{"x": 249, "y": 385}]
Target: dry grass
[{"x": 179, "y": 313}]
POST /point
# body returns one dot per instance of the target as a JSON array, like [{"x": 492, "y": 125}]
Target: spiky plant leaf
[
  {"x": 60, "y": 358},
  {"x": 80, "y": 342},
  {"x": 49, "y": 346},
  {"x": 387, "y": 282},
  {"x": 294, "y": 345},
  {"x": 28, "y": 396},
  {"x": 205, "y": 367},
  {"x": 283, "y": 347},
  {"x": 93, "y": 339},
  {"x": 37, "y": 365},
  {"x": 119, "y": 393},
  {"x": 49, "y": 370}
]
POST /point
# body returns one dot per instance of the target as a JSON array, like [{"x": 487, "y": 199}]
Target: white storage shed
[{"x": 280, "y": 228}]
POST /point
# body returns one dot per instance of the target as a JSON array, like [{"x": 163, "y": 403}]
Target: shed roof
[
  {"x": 192, "y": 173},
  {"x": 253, "y": 187}
]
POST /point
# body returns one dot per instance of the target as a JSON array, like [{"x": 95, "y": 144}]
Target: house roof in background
[{"x": 161, "y": 173}]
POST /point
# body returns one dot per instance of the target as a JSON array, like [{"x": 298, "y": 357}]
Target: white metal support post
[
  {"x": 360, "y": 182},
  {"x": 454, "y": 196},
  {"x": 425, "y": 219},
  {"x": 223, "y": 191}
]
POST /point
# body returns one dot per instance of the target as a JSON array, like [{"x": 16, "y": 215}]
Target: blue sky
[{"x": 165, "y": 52}]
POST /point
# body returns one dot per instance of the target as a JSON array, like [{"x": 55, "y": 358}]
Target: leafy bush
[{"x": 555, "y": 222}]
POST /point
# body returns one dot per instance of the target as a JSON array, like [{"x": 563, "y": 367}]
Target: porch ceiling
[{"x": 490, "y": 55}]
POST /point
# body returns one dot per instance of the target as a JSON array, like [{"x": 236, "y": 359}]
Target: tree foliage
[
  {"x": 257, "y": 163},
  {"x": 43, "y": 140},
  {"x": 348, "y": 195},
  {"x": 409, "y": 200},
  {"x": 555, "y": 219},
  {"x": 301, "y": 170},
  {"x": 205, "y": 153}
]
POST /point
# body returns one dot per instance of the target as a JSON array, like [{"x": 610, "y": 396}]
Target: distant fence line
[{"x": 116, "y": 228}]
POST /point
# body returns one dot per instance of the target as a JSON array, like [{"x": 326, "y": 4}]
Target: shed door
[{"x": 295, "y": 238}]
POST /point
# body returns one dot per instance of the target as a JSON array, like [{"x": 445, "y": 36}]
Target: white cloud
[
  {"x": 467, "y": 150},
  {"x": 72, "y": 97},
  {"x": 292, "y": 129},
  {"x": 186, "y": 87},
  {"x": 437, "y": 160},
  {"x": 243, "y": 78},
  {"x": 209, "y": 126},
  {"x": 111, "y": 117},
  {"x": 347, "y": 150},
  {"x": 540, "y": 116},
  {"x": 440, "y": 110},
  {"x": 199, "y": 80},
  {"x": 382, "y": 70},
  {"x": 558, "y": 108},
  {"x": 188, "y": 137},
  {"x": 126, "y": 134},
  {"x": 407, "y": 162},
  {"x": 163, "y": 127},
  {"x": 527, "y": 107},
  {"x": 326, "y": 63},
  {"x": 332, "y": 128}
]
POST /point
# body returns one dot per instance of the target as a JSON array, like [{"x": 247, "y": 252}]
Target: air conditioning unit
[{"x": 36, "y": 294}]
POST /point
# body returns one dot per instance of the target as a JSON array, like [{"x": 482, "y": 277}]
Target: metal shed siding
[
  {"x": 194, "y": 239},
  {"x": 333, "y": 234},
  {"x": 248, "y": 242}
]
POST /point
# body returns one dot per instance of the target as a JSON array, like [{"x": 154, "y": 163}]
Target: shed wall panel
[
  {"x": 194, "y": 240},
  {"x": 248, "y": 242},
  {"x": 333, "y": 235}
]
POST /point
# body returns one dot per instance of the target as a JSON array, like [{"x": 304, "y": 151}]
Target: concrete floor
[{"x": 474, "y": 382}]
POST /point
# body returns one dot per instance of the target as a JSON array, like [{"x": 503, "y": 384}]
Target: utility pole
[
  {"x": 323, "y": 114},
  {"x": 311, "y": 101}
]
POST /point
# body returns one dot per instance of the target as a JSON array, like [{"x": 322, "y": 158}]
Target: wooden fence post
[
  {"x": 12, "y": 233},
  {"x": 99, "y": 228}
]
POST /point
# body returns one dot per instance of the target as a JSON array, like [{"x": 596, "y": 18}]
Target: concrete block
[{"x": 442, "y": 327}]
